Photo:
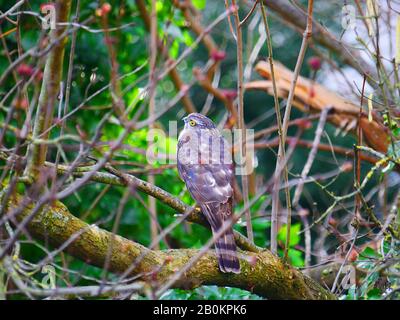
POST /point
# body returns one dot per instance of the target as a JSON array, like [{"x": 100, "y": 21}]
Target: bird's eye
[{"x": 192, "y": 123}]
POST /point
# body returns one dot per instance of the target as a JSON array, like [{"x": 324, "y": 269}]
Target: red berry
[
  {"x": 217, "y": 55},
  {"x": 314, "y": 63},
  {"x": 106, "y": 8},
  {"x": 103, "y": 10},
  {"x": 25, "y": 70}
]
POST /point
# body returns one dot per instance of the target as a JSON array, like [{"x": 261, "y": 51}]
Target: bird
[{"x": 204, "y": 163}]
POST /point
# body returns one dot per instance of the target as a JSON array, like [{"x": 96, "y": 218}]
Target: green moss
[{"x": 267, "y": 275}]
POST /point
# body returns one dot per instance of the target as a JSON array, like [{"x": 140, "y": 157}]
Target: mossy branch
[{"x": 262, "y": 273}]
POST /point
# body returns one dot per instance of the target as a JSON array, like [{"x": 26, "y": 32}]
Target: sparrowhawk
[{"x": 204, "y": 163}]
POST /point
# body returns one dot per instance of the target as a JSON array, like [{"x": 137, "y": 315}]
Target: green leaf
[
  {"x": 174, "y": 49},
  {"x": 396, "y": 132},
  {"x": 368, "y": 252},
  {"x": 296, "y": 258},
  {"x": 187, "y": 38},
  {"x": 294, "y": 234},
  {"x": 199, "y": 4},
  {"x": 261, "y": 224},
  {"x": 374, "y": 293}
]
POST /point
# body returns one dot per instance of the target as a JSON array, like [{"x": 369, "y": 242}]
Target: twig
[
  {"x": 281, "y": 157},
  {"x": 241, "y": 124},
  {"x": 311, "y": 155},
  {"x": 249, "y": 13},
  {"x": 344, "y": 261},
  {"x": 13, "y": 8},
  {"x": 229, "y": 21},
  {"x": 356, "y": 153},
  {"x": 285, "y": 124},
  {"x": 152, "y": 92}
]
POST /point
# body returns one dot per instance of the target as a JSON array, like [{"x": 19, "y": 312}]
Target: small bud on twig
[
  {"x": 218, "y": 55},
  {"x": 103, "y": 10},
  {"x": 25, "y": 70},
  {"x": 314, "y": 63}
]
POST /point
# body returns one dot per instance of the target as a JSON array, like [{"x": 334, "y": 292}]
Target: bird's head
[{"x": 198, "y": 121}]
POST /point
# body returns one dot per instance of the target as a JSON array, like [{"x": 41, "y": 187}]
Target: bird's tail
[{"x": 225, "y": 247}]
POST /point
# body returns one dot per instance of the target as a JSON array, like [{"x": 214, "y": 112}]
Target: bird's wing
[
  {"x": 211, "y": 186},
  {"x": 209, "y": 181}
]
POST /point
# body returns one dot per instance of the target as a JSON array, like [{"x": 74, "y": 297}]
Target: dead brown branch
[{"x": 313, "y": 97}]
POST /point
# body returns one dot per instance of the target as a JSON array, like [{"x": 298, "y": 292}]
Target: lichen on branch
[{"x": 262, "y": 273}]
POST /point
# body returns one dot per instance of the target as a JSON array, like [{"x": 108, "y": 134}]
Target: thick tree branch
[{"x": 262, "y": 273}]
